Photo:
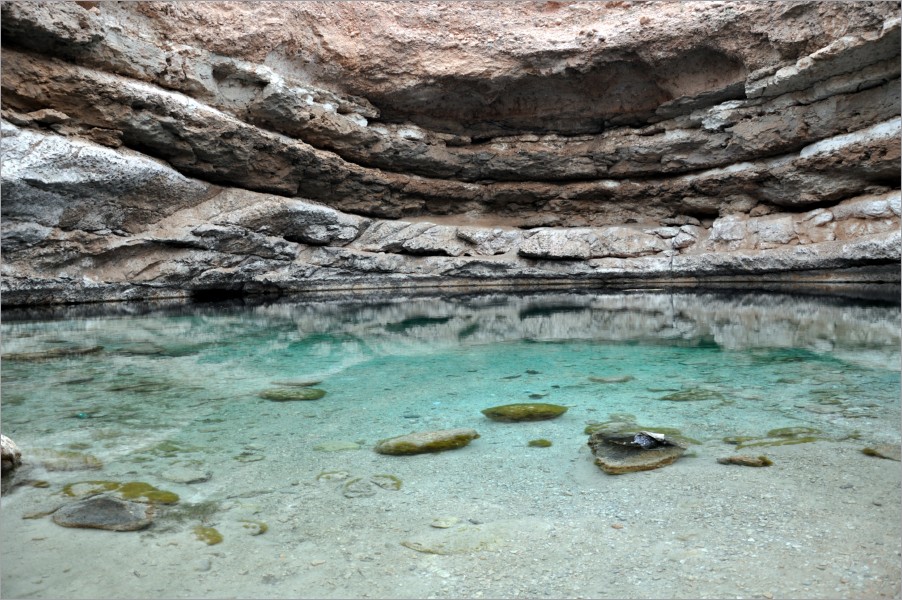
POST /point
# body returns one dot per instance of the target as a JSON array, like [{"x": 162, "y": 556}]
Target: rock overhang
[{"x": 732, "y": 124}]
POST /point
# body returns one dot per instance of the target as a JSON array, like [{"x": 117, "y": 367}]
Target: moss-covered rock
[
  {"x": 539, "y": 443},
  {"x": 132, "y": 490},
  {"x": 514, "y": 413},
  {"x": 208, "y": 535},
  {"x": 292, "y": 394},
  {"x": 793, "y": 432},
  {"x": 426, "y": 441},
  {"x": 783, "y": 436}
]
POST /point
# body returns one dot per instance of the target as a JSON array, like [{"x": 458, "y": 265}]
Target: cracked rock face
[{"x": 157, "y": 149}]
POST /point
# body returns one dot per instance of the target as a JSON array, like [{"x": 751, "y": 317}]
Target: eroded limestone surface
[{"x": 155, "y": 149}]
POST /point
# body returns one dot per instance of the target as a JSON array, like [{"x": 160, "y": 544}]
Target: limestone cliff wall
[{"x": 155, "y": 149}]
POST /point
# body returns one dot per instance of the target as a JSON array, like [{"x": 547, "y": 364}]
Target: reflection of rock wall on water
[{"x": 356, "y": 330}]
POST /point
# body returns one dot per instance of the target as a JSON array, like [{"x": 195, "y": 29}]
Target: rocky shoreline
[{"x": 141, "y": 159}]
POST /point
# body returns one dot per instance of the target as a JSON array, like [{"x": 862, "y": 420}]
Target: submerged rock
[
  {"x": 293, "y": 393},
  {"x": 298, "y": 382},
  {"x": 51, "y": 353},
  {"x": 693, "y": 394},
  {"x": 642, "y": 451},
  {"x": 513, "y": 413},
  {"x": 426, "y": 441},
  {"x": 66, "y": 460},
  {"x": 890, "y": 451},
  {"x": 104, "y": 512},
  {"x": 619, "y": 379},
  {"x": 131, "y": 490},
  {"x": 10, "y": 455},
  {"x": 746, "y": 461},
  {"x": 181, "y": 474}
]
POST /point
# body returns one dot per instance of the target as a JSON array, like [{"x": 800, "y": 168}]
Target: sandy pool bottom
[{"x": 822, "y": 522}]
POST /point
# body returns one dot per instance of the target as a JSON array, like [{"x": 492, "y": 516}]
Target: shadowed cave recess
[{"x": 175, "y": 149}]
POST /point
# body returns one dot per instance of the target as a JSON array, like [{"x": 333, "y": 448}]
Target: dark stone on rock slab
[
  {"x": 512, "y": 413},
  {"x": 104, "y": 512},
  {"x": 617, "y": 454},
  {"x": 426, "y": 441}
]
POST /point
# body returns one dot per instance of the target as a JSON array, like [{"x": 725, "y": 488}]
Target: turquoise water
[{"x": 179, "y": 389}]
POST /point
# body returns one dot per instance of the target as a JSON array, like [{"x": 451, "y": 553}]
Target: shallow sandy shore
[{"x": 823, "y": 522}]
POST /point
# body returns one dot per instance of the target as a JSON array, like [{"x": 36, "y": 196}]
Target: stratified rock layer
[{"x": 154, "y": 149}]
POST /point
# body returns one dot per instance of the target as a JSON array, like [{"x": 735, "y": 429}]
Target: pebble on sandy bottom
[
  {"x": 445, "y": 522},
  {"x": 185, "y": 475}
]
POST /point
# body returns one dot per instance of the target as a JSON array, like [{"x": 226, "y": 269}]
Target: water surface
[{"x": 161, "y": 395}]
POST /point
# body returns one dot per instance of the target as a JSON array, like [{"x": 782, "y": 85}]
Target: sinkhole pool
[{"x": 251, "y": 497}]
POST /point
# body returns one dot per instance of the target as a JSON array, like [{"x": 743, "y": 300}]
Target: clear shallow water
[{"x": 179, "y": 390}]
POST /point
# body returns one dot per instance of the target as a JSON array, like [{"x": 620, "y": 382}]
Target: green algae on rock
[
  {"x": 792, "y": 431},
  {"x": 514, "y": 413},
  {"x": 144, "y": 492},
  {"x": 426, "y": 441},
  {"x": 783, "y": 436},
  {"x": 539, "y": 443},
  {"x": 208, "y": 535},
  {"x": 293, "y": 394},
  {"x": 132, "y": 490}
]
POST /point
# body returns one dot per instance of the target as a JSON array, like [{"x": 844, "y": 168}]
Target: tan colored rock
[
  {"x": 426, "y": 441},
  {"x": 618, "y": 454}
]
